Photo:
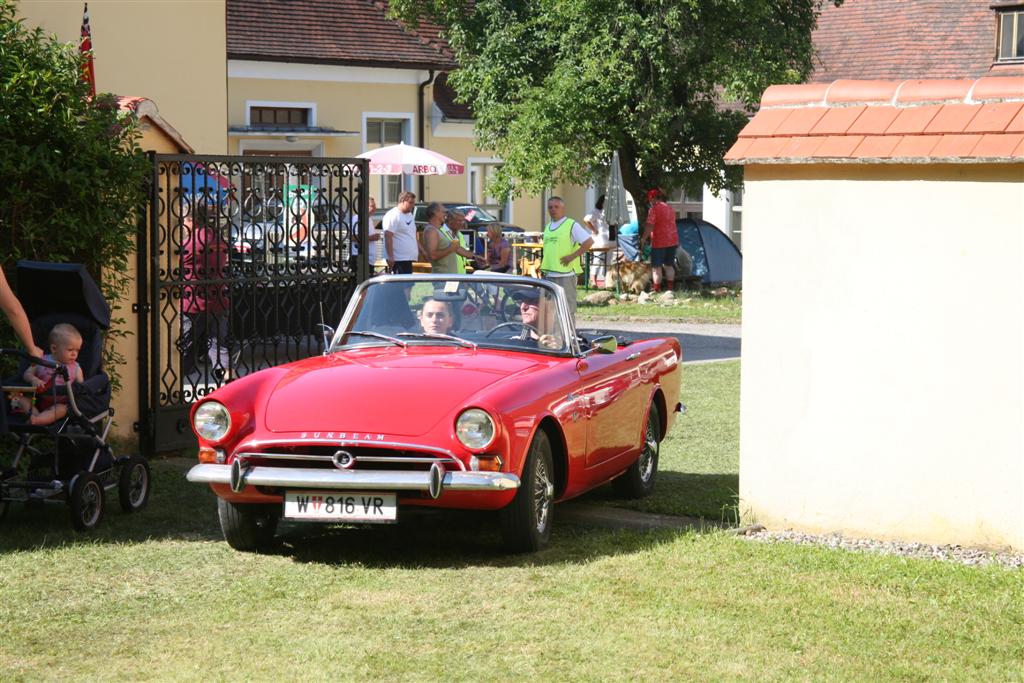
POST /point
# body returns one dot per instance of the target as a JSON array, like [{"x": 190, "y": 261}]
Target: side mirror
[
  {"x": 606, "y": 344},
  {"x": 328, "y": 333}
]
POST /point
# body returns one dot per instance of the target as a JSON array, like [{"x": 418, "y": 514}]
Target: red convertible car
[{"x": 455, "y": 391}]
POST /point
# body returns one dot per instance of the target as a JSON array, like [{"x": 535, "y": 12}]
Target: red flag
[{"x": 85, "y": 47}]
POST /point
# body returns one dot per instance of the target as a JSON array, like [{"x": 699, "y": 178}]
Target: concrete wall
[
  {"x": 171, "y": 52},
  {"x": 883, "y": 351}
]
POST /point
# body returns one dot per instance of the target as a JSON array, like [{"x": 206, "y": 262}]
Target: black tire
[
  {"x": 248, "y": 527},
  {"x": 133, "y": 484},
  {"x": 87, "y": 501},
  {"x": 638, "y": 480},
  {"x": 526, "y": 521}
]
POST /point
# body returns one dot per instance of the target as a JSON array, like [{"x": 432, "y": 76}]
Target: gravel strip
[{"x": 948, "y": 553}]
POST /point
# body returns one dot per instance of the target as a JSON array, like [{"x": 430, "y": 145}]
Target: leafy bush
[{"x": 73, "y": 173}]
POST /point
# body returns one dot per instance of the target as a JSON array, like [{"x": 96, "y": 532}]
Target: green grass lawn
[
  {"x": 159, "y": 595},
  {"x": 691, "y": 307}
]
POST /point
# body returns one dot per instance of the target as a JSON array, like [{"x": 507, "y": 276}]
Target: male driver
[
  {"x": 436, "y": 317},
  {"x": 400, "y": 241},
  {"x": 530, "y": 313},
  {"x": 565, "y": 242}
]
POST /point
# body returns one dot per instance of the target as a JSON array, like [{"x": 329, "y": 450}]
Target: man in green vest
[{"x": 565, "y": 243}]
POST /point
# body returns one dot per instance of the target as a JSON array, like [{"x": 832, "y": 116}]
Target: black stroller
[{"x": 67, "y": 461}]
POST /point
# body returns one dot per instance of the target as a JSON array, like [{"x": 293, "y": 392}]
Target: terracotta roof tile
[
  {"x": 779, "y": 95},
  {"x": 800, "y": 147},
  {"x": 929, "y": 120},
  {"x": 932, "y": 90},
  {"x": 837, "y": 120},
  {"x": 904, "y": 39},
  {"x": 838, "y": 146},
  {"x": 913, "y": 119},
  {"x": 873, "y": 121},
  {"x": 877, "y": 146},
  {"x": 1017, "y": 124},
  {"x": 916, "y": 146},
  {"x": 338, "y": 32},
  {"x": 956, "y": 146},
  {"x": 1019, "y": 152},
  {"x": 800, "y": 121},
  {"x": 952, "y": 118},
  {"x": 996, "y": 145},
  {"x": 862, "y": 91},
  {"x": 765, "y": 122},
  {"x": 739, "y": 150},
  {"x": 766, "y": 147},
  {"x": 994, "y": 117},
  {"x": 1000, "y": 88}
]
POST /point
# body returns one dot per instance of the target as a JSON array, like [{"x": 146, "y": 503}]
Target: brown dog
[{"x": 632, "y": 276}]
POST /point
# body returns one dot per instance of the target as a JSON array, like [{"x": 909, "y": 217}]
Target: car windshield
[
  {"x": 465, "y": 311},
  {"x": 473, "y": 213}
]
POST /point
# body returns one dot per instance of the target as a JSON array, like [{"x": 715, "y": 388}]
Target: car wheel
[
  {"x": 133, "y": 484},
  {"x": 87, "y": 501},
  {"x": 638, "y": 480},
  {"x": 526, "y": 521},
  {"x": 248, "y": 527}
]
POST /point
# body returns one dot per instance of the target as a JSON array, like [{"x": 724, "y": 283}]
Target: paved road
[{"x": 701, "y": 343}]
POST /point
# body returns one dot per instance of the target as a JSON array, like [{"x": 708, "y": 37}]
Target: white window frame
[
  {"x": 410, "y": 120},
  {"x": 485, "y": 161}
]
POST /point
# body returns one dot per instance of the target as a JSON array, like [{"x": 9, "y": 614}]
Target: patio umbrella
[
  {"x": 615, "y": 210},
  {"x": 402, "y": 159},
  {"x": 198, "y": 179}
]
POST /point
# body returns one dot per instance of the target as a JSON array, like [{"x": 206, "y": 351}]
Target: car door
[{"x": 612, "y": 396}]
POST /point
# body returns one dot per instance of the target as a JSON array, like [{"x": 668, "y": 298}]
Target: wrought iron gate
[{"x": 239, "y": 262}]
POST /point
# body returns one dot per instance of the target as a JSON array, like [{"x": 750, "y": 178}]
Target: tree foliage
[
  {"x": 71, "y": 168},
  {"x": 557, "y": 85}
]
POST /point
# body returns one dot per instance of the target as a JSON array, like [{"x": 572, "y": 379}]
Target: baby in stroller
[
  {"x": 62, "y": 454},
  {"x": 65, "y": 345}
]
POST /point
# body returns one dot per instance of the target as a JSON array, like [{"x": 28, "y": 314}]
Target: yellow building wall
[
  {"x": 882, "y": 392},
  {"x": 168, "y": 51},
  {"x": 340, "y": 105}
]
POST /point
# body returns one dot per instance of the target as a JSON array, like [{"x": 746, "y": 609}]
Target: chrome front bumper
[{"x": 434, "y": 482}]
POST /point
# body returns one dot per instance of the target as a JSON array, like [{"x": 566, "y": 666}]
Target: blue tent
[{"x": 716, "y": 260}]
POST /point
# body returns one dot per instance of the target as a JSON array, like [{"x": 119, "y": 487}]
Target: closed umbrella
[
  {"x": 615, "y": 210},
  {"x": 402, "y": 159}
]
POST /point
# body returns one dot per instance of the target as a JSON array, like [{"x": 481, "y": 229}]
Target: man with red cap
[{"x": 660, "y": 229}]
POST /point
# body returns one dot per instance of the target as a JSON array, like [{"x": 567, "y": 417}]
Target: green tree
[
  {"x": 557, "y": 85},
  {"x": 71, "y": 171}
]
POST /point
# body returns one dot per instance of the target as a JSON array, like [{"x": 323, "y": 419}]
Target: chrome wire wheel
[
  {"x": 649, "y": 455},
  {"x": 543, "y": 495}
]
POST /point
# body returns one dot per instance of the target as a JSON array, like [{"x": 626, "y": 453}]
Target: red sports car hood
[{"x": 385, "y": 391}]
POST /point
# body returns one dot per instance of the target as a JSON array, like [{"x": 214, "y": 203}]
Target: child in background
[{"x": 65, "y": 345}]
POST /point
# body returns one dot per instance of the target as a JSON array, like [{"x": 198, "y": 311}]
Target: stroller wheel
[
  {"x": 86, "y": 501},
  {"x": 133, "y": 484}
]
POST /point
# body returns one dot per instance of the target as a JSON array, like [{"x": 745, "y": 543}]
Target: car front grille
[{"x": 363, "y": 457}]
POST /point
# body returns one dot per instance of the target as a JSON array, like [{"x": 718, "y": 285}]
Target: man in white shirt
[
  {"x": 565, "y": 243},
  {"x": 400, "y": 244}
]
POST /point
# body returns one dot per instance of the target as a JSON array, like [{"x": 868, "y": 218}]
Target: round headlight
[
  {"x": 474, "y": 428},
  {"x": 212, "y": 421}
]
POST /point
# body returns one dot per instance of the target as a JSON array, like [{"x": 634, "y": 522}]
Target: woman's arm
[{"x": 16, "y": 314}]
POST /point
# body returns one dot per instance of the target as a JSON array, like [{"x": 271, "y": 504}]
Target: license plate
[{"x": 337, "y": 506}]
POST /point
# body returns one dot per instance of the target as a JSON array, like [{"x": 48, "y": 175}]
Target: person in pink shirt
[{"x": 660, "y": 229}]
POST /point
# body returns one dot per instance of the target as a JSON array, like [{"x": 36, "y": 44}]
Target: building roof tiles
[
  {"x": 910, "y": 121},
  {"x": 356, "y": 32}
]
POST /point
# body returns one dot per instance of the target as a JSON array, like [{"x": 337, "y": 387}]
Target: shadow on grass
[
  {"x": 706, "y": 496},
  {"x": 180, "y": 511}
]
